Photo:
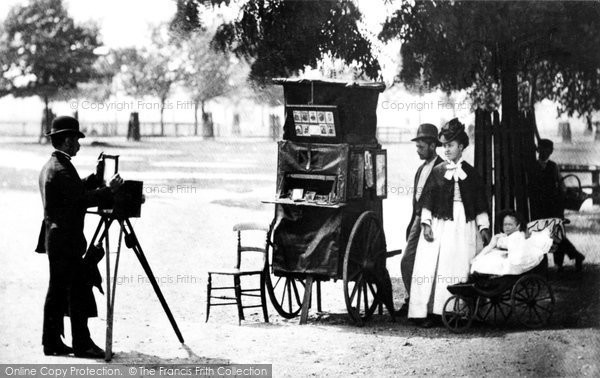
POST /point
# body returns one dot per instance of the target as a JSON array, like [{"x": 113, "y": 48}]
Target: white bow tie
[{"x": 455, "y": 171}]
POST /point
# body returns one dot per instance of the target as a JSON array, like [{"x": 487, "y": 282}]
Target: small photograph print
[
  {"x": 321, "y": 198},
  {"x": 306, "y": 130},
  {"x": 329, "y": 117},
  {"x": 297, "y": 116},
  {"x": 330, "y": 130},
  {"x": 312, "y": 116},
  {"x": 321, "y": 117},
  {"x": 304, "y": 115},
  {"x": 323, "y": 129},
  {"x": 310, "y": 196},
  {"x": 299, "y": 130},
  {"x": 314, "y": 130}
]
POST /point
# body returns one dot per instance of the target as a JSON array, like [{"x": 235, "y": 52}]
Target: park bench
[{"x": 594, "y": 170}]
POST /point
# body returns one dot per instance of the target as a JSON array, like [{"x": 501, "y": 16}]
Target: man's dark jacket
[
  {"x": 66, "y": 197},
  {"x": 416, "y": 205}
]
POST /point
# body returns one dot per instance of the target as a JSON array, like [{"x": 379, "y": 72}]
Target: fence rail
[
  {"x": 151, "y": 129},
  {"x": 394, "y": 134},
  {"x": 110, "y": 128}
]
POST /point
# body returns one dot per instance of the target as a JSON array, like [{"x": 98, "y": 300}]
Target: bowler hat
[
  {"x": 428, "y": 132},
  {"x": 65, "y": 124},
  {"x": 545, "y": 143},
  {"x": 453, "y": 130}
]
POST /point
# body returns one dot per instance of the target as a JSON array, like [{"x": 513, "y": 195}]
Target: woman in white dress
[
  {"x": 510, "y": 252},
  {"x": 454, "y": 214}
]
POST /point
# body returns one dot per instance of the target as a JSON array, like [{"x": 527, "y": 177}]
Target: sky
[{"x": 122, "y": 22}]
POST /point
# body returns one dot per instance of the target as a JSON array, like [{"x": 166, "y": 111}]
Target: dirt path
[{"x": 181, "y": 235}]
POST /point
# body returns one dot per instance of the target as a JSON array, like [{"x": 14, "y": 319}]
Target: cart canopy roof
[
  {"x": 378, "y": 86},
  {"x": 355, "y": 102}
]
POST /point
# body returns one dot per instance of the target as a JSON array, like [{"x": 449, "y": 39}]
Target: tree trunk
[
  {"x": 162, "y": 110},
  {"x": 133, "y": 127},
  {"x": 235, "y": 127},
  {"x": 510, "y": 113},
  {"x": 196, "y": 118},
  {"x": 207, "y": 125},
  {"x": 589, "y": 129},
  {"x": 564, "y": 130},
  {"x": 510, "y": 91},
  {"x": 46, "y": 123}
]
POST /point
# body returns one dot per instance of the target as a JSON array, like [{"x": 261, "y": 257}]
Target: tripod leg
[
  {"x": 109, "y": 295},
  {"x": 93, "y": 241},
  {"x": 137, "y": 249},
  {"x": 106, "y": 222}
]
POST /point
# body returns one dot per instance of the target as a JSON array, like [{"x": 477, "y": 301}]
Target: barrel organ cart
[{"x": 331, "y": 180}]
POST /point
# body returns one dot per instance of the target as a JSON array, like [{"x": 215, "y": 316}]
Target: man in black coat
[
  {"x": 547, "y": 196},
  {"x": 426, "y": 142},
  {"x": 66, "y": 197}
]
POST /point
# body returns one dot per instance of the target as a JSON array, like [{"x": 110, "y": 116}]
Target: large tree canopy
[
  {"x": 549, "y": 47},
  {"x": 45, "y": 52},
  {"x": 280, "y": 38},
  {"x": 49, "y": 52}
]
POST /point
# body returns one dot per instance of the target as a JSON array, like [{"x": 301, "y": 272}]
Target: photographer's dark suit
[{"x": 66, "y": 197}]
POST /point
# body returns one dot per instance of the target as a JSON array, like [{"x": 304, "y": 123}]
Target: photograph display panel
[{"x": 315, "y": 121}]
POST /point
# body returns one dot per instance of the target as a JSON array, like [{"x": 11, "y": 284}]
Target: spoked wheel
[
  {"x": 532, "y": 301},
  {"x": 286, "y": 293},
  {"x": 364, "y": 268},
  {"x": 494, "y": 310},
  {"x": 458, "y": 313}
]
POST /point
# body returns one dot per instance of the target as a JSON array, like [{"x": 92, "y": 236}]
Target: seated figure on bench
[{"x": 547, "y": 199}]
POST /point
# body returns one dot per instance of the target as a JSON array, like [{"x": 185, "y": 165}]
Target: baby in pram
[{"x": 511, "y": 252}]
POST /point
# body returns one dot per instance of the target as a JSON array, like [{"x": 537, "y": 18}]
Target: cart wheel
[
  {"x": 532, "y": 301},
  {"x": 364, "y": 265},
  {"x": 286, "y": 293},
  {"x": 458, "y": 313},
  {"x": 495, "y": 310}
]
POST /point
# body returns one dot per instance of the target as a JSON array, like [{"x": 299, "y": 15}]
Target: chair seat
[{"x": 235, "y": 272}]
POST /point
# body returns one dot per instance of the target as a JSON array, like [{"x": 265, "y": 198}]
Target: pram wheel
[
  {"x": 532, "y": 301},
  {"x": 458, "y": 313},
  {"x": 495, "y": 310}
]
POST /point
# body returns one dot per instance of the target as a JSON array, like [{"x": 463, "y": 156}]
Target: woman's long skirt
[{"x": 442, "y": 262}]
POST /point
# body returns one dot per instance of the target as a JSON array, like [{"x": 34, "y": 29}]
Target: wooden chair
[{"x": 237, "y": 272}]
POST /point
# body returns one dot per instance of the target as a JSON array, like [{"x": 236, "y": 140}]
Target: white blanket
[{"x": 512, "y": 254}]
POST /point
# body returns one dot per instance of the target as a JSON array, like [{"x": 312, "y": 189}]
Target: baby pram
[{"x": 495, "y": 299}]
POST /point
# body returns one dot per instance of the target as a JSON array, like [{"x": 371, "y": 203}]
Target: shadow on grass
[
  {"x": 152, "y": 361},
  {"x": 577, "y": 306}
]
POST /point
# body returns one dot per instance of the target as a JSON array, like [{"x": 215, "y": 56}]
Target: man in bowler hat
[
  {"x": 66, "y": 197},
  {"x": 426, "y": 142}
]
